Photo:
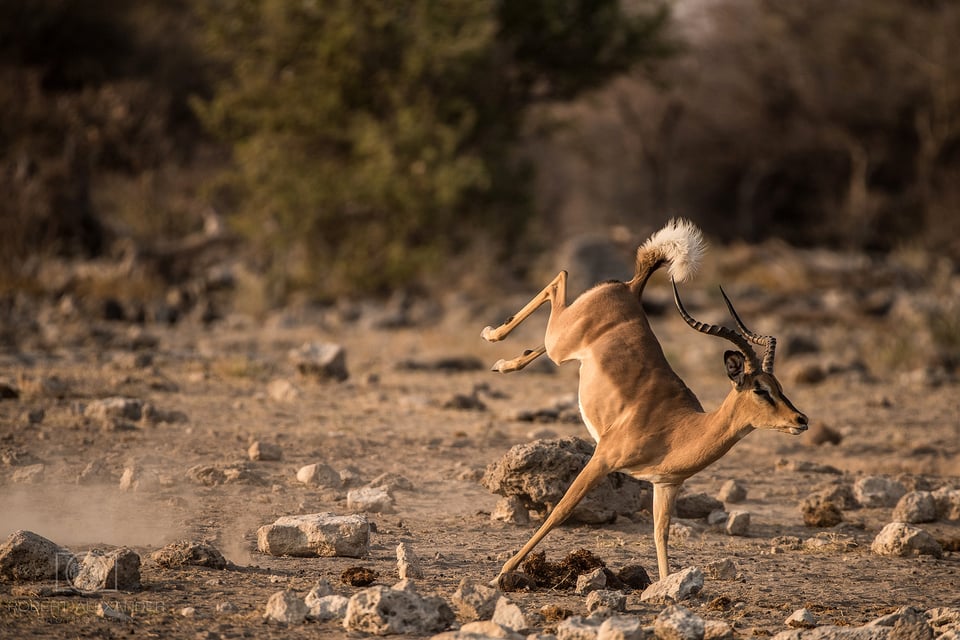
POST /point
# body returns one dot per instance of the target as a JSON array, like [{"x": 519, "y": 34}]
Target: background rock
[
  {"x": 675, "y": 587},
  {"x": 678, "y": 623},
  {"x": 916, "y": 507},
  {"x": 385, "y": 610},
  {"x": 878, "y": 491},
  {"x": 119, "y": 569},
  {"x": 901, "y": 539},
  {"x": 318, "y": 534},
  {"x": 286, "y": 607},
  {"x": 26, "y": 556},
  {"x": 188, "y": 553}
]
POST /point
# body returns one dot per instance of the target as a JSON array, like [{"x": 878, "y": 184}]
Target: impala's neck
[{"x": 717, "y": 431}]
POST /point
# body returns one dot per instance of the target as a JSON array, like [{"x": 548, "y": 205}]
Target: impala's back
[{"x": 623, "y": 372}]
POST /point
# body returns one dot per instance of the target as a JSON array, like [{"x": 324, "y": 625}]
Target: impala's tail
[{"x": 679, "y": 244}]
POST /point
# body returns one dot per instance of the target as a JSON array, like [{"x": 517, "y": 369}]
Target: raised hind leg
[
  {"x": 555, "y": 293},
  {"x": 507, "y": 366}
]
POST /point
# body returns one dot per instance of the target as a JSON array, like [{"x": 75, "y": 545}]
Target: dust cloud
[{"x": 73, "y": 515}]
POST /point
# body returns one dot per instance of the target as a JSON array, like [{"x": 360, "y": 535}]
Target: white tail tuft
[{"x": 680, "y": 243}]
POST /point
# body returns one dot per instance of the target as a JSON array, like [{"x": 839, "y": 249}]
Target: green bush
[{"x": 374, "y": 140}]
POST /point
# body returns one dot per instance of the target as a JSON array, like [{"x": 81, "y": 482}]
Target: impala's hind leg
[
  {"x": 596, "y": 470},
  {"x": 506, "y": 366},
  {"x": 555, "y": 293}
]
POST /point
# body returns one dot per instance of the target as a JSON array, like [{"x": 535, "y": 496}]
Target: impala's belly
[{"x": 592, "y": 429}]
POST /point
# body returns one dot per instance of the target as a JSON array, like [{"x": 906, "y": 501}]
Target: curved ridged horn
[
  {"x": 753, "y": 364},
  {"x": 769, "y": 343}
]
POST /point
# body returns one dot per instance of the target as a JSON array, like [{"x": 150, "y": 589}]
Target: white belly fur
[{"x": 592, "y": 429}]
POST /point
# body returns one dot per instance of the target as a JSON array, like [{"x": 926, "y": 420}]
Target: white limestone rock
[
  {"x": 509, "y": 615},
  {"x": 387, "y": 610},
  {"x": 510, "y": 510},
  {"x": 319, "y": 474},
  {"x": 623, "y": 628},
  {"x": 606, "y": 600},
  {"x": 474, "y": 600},
  {"x": 678, "y": 623},
  {"x": 119, "y": 569},
  {"x": 408, "y": 566},
  {"x": 675, "y": 587},
  {"x": 732, "y": 492},
  {"x": 877, "y": 491},
  {"x": 323, "y": 361},
  {"x": 316, "y": 534},
  {"x": 26, "y": 556},
  {"x": 801, "y": 619},
  {"x": 370, "y": 499},
  {"x": 738, "y": 523},
  {"x": 578, "y": 628},
  {"x": 903, "y": 540},
  {"x": 286, "y": 607},
  {"x": 265, "y": 451},
  {"x": 916, "y": 507},
  {"x": 591, "y": 581}
]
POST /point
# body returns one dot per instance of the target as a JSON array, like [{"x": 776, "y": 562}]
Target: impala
[{"x": 645, "y": 420}]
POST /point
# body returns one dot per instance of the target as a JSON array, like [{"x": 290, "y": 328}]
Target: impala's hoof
[
  {"x": 513, "y": 581},
  {"x": 499, "y": 366},
  {"x": 487, "y": 334}
]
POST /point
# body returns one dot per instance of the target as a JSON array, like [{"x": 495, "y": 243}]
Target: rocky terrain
[{"x": 169, "y": 457}]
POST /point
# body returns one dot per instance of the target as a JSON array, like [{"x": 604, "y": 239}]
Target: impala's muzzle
[{"x": 800, "y": 427}]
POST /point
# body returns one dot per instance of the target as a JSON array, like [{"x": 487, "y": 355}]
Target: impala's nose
[{"x": 802, "y": 422}]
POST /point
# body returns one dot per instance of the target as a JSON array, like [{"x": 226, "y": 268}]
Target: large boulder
[
  {"x": 540, "y": 472},
  {"x": 27, "y": 556}
]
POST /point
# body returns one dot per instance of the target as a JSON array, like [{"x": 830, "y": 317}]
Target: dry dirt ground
[{"x": 386, "y": 418}]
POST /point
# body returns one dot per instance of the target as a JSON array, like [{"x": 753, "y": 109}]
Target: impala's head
[{"x": 759, "y": 394}]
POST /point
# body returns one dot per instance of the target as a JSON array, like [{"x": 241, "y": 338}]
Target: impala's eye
[{"x": 764, "y": 393}]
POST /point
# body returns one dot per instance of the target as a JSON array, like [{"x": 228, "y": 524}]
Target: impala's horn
[
  {"x": 741, "y": 341},
  {"x": 769, "y": 343}
]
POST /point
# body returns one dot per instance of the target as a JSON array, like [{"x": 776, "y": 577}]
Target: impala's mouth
[{"x": 793, "y": 429}]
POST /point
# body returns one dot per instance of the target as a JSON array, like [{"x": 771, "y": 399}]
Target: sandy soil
[{"x": 389, "y": 419}]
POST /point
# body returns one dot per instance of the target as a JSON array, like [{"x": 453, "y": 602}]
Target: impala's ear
[{"x": 734, "y": 363}]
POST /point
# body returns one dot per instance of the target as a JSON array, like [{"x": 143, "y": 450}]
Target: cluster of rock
[
  {"x": 377, "y": 496},
  {"x": 712, "y": 511},
  {"x": 118, "y": 413},
  {"x": 379, "y": 609},
  {"x": 485, "y": 610},
  {"x": 28, "y": 557},
  {"x": 907, "y": 622},
  {"x": 109, "y": 414},
  {"x": 826, "y": 505}
]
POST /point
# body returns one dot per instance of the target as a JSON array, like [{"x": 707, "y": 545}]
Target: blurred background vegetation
[{"x": 359, "y": 147}]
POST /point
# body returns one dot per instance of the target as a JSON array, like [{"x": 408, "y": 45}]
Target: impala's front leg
[
  {"x": 664, "y": 500},
  {"x": 555, "y": 293},
  {"x": 506, "y": 366}
]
